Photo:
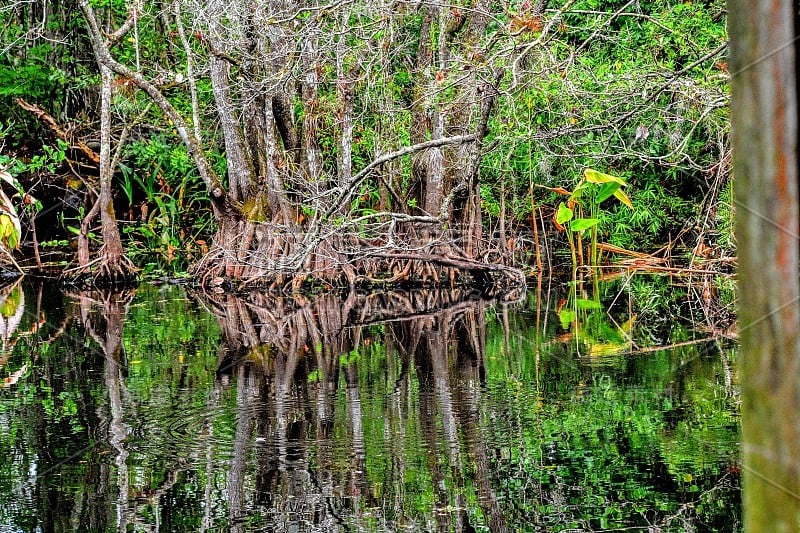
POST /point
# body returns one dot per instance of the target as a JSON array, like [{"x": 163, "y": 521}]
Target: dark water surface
[{"x": 158, "y": 411}]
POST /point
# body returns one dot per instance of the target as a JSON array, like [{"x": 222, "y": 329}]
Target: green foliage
[
  {"x": 623, "y": 91},
  {"x": 612, "y": 92},
  {"x": 10, "y": 226},
  {"x": 47, "y": 162},
  {"x": 594, "y": 188},
  {"x": 42, "y": 64},
  {"x": 166, "y": 205},
  {"x": 658, "y": 210},
  {"x": 725, "y": 220}
]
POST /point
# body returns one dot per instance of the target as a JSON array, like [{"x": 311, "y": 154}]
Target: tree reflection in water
[
  {"x": 418, "y": 411},
  {"x": 103, "y": 317},
  {"x": 289, "y": 357}
]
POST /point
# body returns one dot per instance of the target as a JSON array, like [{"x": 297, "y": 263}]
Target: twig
[
  {"x": 358, "y": 178},
  {"x": 11, "y": 257},
  {"x": 651, "y": 349},
  {"x": 45, "y": 117}
]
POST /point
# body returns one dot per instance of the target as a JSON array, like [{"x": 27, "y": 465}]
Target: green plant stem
[{"x": 574, "y": 256}]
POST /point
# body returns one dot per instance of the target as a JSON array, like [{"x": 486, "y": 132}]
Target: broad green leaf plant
[
  {"x": 582, "y": 210},
  {"x": 10, "y": 227}
]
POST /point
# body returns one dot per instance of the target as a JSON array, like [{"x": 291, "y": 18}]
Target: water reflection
[
  {"x": 435, "y": 411},
  {"x": 103, "y": 317},
  {"x": 300, "y": 368}
]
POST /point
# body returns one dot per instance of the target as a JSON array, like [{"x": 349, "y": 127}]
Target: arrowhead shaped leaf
[
  {"x": 622, "y": 197},
  {"x": 580, "y": 224},
  {"x": 607, "y": 190},
  {"x": 9, "y": 236},
  {"x": 564, "y": 214},
  {"x": 595, "y": 176},
  {"x": 10, "y": 228}
]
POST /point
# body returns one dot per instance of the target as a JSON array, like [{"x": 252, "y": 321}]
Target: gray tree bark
[{"x": 112, "y": 242}]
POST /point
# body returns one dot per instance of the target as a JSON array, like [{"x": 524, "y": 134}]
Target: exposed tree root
[
  {"x": 282, "y": 258},
  {"x": 111, "y": 267},
  {"x": 105, "y": 271}
]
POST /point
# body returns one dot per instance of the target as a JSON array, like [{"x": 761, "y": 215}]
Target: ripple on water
[
  {"x": 168, "y": 432},
  {"x": 180, "y": 433}
]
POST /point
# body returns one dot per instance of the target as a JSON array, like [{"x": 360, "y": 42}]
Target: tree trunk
[
  {"x": 312, "y": 118},
  {"x": 112, "y": 266},
  {"x": 344, "y": 91},
  {"x": 765, "y": 116},
  {"x": 421, "y": 114},
  {"x": 110, "y": 231},
  {"x": 288, "y": 101},
  {"x": 240, "y": 167}
]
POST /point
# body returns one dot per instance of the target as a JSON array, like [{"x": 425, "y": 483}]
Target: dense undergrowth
[{"x": 634, "y": 89}]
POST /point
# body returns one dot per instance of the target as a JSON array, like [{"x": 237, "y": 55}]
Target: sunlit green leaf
[
  {"x": 10, "y": 228},
  {"x": 564, "y": 213},
  {"x": 622, "y": 197},
  {"x": 626, "y": 326},
  {"x": 607, "y": 190},
  {"x": 9, "y": 235},
  {"x": 594, "y": 176},
  {"x": 580, "y": 224}
]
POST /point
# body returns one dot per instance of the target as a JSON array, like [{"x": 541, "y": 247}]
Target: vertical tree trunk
[
  {"x": 275, "y": 190},
  {"x": 420, "y": 118},
  {"x": 240, "y": 167},
  {"x": 344, "y": 90},
  {"x": 190, "y": 75},
  {"x": 764, "y": 111},
  {"x": 277, "y": 49},
  {"x": 112, "y": 243},
  {"x": 311, "y": 119}
]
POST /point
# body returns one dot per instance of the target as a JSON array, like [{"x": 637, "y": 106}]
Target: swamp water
[{"x": 159, "y": 411}]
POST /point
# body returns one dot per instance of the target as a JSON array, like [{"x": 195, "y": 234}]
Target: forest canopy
[{"x": 290, "y": 143}]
